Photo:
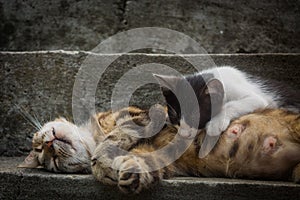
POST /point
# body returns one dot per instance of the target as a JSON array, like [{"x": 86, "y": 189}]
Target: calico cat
[
  {"x": 264, "y": 145},
  {"x": 223, "y": 94},
  {"x": 261, "y": 145}
]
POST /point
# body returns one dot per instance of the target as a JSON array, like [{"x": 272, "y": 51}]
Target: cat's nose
[
  {"x": 49, "y": 144},
  {"x": 53, "y": 132},
  {"x": 94, "y": 161}
]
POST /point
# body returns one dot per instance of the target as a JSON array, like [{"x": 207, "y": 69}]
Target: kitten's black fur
[
  {"x": 288, "y": 97},
  {"x": 209, "y": 93}
]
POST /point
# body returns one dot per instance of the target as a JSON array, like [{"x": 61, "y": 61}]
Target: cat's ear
[
  {"x": 214, "y": 92},
  {"x": 166, "y": 82},
  {"x": 214, "y": 86},
  {"x": 31, "y": 161},
  {"x": 96, "y": 128}
]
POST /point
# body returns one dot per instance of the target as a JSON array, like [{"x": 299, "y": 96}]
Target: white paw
[{"x": 217, "y": 125}]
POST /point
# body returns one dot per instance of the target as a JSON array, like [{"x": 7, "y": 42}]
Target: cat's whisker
[
  {"x": 33, "y": 122},
  {"x": 37, "y": 121}
]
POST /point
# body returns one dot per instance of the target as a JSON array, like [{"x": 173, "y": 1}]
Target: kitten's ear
[
  {"x": 214, "y": 86},
  {"x": 214, "y": 91},
  {"x": 31, "y": 161},
  {"x": 167, "y": 82}
]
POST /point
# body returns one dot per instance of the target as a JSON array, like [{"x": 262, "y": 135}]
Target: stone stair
[
  {"x": 41, "y": 82},
  {"x": 38, "y": 184}
]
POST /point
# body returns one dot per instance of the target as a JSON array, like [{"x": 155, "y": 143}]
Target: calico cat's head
[
  {"x": 209, "y": 96},
  {"x": 59, "y": 147}
]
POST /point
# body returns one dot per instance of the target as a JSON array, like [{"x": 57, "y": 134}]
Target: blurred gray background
[{"x": 221, "y": 26}]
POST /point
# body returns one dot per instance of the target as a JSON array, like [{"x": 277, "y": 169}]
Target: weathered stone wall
[
  {"x": 221, "y": 26},
  {"x": 42, "y": 83}
]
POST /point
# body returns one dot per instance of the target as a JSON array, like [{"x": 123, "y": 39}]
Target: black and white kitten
[{"x": 223, "y": 93}]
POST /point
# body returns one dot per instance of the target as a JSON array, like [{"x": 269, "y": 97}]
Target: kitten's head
[
  {"x": 209, "y": 96},
  {"x": 59, "y": 147}
]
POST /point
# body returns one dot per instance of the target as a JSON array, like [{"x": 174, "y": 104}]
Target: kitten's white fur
[{"x": 242, "y": 96}]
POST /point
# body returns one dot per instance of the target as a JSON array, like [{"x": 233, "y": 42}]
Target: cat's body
[
  {"x": 222, "y": 94},
  {"x": 232, "y": 94},
  {"x": 262, "y": 145}
]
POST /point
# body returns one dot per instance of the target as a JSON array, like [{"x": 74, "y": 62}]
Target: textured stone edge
[
  {"x": 145, "y": 54},
  {"x": 18, "y": 183}
]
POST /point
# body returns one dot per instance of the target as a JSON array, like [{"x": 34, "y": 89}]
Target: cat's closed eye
[{"x": 38, "y": 150}]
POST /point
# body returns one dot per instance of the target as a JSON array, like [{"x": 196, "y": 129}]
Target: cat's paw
[
  {"x": 132, "y": 174},
  {"x": 103, "y": 172},
  {"x": 102, "y": 162},
  {"x": 217, "y": 125}
]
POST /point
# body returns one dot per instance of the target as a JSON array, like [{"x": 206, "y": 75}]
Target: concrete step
[
  {"x": 37, "y": 184},
  {"x": 42, "y": 83}
]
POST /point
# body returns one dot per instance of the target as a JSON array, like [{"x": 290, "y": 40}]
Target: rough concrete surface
[
  {"x": 38, "y": 184},
  {"x": 220, "y": 26},
  {"x": 42, "y": 84}
]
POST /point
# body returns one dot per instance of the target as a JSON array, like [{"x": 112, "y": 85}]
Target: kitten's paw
[
  {"x": 217, "y": 125},
  {"x": 132, "y": 174}
]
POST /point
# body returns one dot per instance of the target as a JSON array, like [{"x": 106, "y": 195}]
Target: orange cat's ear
[{"x": 31, "y": 161}]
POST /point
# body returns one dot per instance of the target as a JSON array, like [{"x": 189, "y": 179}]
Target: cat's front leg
[
  {"x": 117, "y": 143},
  {"x": 232, "y": 110},
  {"x": 102, "y": 163},
  {"x": 218, "y": 124}
]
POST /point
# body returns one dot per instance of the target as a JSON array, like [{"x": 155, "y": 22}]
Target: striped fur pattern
[{"x": 261, "y": 145}]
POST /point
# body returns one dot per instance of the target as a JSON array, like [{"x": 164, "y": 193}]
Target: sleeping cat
[
  {"x": 223, "y": 94},
  {"x": 61, "y": 146},
  {"x": 263, "y": 145}
]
